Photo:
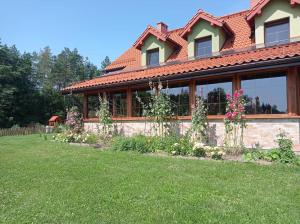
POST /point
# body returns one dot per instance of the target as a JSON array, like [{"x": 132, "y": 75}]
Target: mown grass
[{"x": 47, "y": 182}]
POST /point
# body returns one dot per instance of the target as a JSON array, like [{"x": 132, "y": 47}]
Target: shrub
[
  {"x": 286, "y": 153},
  {"x": 283, "y": 154},
  {"x": 74, "y": 120},
  {"x": 137, "y": 143},
  {"x": 198, "y": 150},
  {"x": 69, "y": 136}
]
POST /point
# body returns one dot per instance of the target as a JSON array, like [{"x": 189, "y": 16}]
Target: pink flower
[
  {"x": 228, "y": 96},
  {"x": 236, "y": 95},
  {"x": 241, "y": 92}
]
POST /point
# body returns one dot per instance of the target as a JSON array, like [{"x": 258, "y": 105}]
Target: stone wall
[{"x": 260, "y": 132}]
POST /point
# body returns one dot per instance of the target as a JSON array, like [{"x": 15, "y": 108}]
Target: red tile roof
[
  {"x": 152, "y": 31},
  {"x": 240, "y": 44},
  {"x": 209, "y": 18},
  {"x": 260, "y": 5},
  {"x": 264, "y": 54}
]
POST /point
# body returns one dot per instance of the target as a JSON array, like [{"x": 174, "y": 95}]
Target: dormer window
[
  {"x": 153, "y": 57},
  {"x": 277, "y": 32},
  {"x": 203, "y": 47}
]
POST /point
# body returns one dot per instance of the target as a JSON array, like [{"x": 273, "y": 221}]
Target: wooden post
[
  {"x": 292, "y": 91},
  {"x": 85, "y": 106},
  {"x": 236, "y": 83},
  {"x": 298, "y": 89},
  {"x": 192, "y": 95},
  {"x": 129, "y": 102}
]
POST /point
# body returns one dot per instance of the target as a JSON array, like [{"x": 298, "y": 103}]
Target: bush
[
  {"x": 198, "y": 150},
  {"x": 69, "y": 136},
  {"x": 137, "y": 143},
  {"x": 283, "y": 154}
]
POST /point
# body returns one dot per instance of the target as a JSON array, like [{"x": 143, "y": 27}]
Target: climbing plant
[
  {"x": 199, "y": 126},
  {"x": 104, "y": 116},
  {"x": 235, "y": 122}
]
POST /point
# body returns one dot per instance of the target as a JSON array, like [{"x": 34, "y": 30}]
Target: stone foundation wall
[{"x": 260, "y": 132}]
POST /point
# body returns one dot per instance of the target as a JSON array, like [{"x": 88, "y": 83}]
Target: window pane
[
  {"x": 267, "y": 95},
  {"x": 179, "y": 97},
  {"x": 93, "y": 105},
  {"x": 277, "y": 33},
  {"x": 153, "y": 57},
  {"x": 118, "y": 104},
  {"x": 203, "y": 47},
  {"x": 214, "y": 95},
  {"x": 139, "y": 106}
]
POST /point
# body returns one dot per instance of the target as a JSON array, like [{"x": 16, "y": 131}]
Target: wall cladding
[{"x": 260, "y": 132}]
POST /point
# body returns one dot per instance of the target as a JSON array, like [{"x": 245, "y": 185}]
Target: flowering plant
[
  {"x": 74, "y": 120},
  {"x": 104, "y": 116},
  {"x": 199, "y": 121},
  {"x": 235, "y": 120}
]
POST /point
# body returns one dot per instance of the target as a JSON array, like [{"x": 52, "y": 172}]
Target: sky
[{"x": 96, "y": 28}]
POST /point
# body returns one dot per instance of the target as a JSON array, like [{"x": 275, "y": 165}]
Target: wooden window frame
[
  {"x": 148, "y": 58},
  {"x": 293, "y": 95},
  {"x": 273, "y": 23},
  {"x": 196, "y": 41}
]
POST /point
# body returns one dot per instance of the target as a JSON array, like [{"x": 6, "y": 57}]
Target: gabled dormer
[
  {"x": 275, "y": 21},
  {"x": 155, "y": 45},
  {"x": 205, "y": 35}
]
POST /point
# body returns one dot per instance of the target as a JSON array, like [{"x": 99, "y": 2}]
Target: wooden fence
[{"x": 22, "y": 131}]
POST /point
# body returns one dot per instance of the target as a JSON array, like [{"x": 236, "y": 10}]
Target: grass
[{"x": 47, "y": 182}]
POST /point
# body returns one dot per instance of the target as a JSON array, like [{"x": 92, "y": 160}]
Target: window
[
  {"x": 277, "y": 32},
  {"x": 203, "y": 47},
  {"x": 153, "y": 57},
  {"x": 118, "y": 104},
  {"x": 213, "y": 93},
  {"x": 138, "y": 105},
  {"x": 265, "y": 94},
  {"x": 179, "y": 96},
  {"x": 93, "y": 105}
]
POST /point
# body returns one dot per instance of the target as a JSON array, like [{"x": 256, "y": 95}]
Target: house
[{"x": 257, "y": 50}]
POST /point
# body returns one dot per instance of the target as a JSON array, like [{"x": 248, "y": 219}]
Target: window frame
[
  {"x": 264, "y": 76},
  {"x": 215, "y": 80},
  {"x": 148, "y": 58},
  {"x": 274, "y": 23},
  {"x": 197, "y": 41},
  {"x": 133, "y": 92}
]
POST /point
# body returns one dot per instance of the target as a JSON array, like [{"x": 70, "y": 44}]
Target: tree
[{"x": 105, "y": 62}]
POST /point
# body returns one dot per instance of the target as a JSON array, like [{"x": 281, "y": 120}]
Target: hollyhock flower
[
  {"x": 236, "y": 95},
  {"x": 228, "y": 96}
]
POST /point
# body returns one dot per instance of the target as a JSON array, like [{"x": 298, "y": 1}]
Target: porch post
[
  {"x": 292, "y": 91},
  {"x": 85, "y": 106},
  {"x": 298, "y": 88},
  {"x": 192, "y": 95},
  {"x": 129, "y": 102},
  {"x": 236, "y": 83}
]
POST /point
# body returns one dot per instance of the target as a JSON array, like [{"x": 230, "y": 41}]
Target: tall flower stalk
[
  {"x": 159, "y": 108},
  {"x": 104, "y": 116},
  {"x": 199, "y": 122},
  {"x": 235, "y": 122}
]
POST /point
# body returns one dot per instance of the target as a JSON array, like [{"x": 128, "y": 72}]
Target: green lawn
[{"x": 47, "y": 182}]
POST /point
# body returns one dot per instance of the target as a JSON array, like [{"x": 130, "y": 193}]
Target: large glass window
[
  {"x": 140, "y": 101},
  {"x": 213, "y": 94},
  {"x": 153, "y": 57},
  {"x": 93, "y": 105},
  {"x": 179, "y": 96},
  {"x": 277, "y": 32},
  {"x": 118, "y": 104},
  {"x": 203, "y": 47},
  {"x": 265, "y": 94}
]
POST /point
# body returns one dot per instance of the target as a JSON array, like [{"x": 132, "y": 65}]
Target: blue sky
[{"x": 96, "y": 28}]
